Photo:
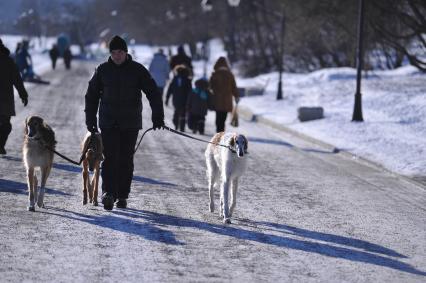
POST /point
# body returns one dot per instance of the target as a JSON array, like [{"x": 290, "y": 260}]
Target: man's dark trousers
[
  {"x": 5, "y": 129},
  {"x": 117, "y": 168}
]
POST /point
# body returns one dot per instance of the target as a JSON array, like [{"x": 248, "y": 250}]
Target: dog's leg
[
  {"x": 234, "y": 187},
  {"x": 95, "y": 185},
  {"x": 224, "y": 196},
  {"x": 30, "y": 182},
  {"x": 212, "y": 171},
  {"x": 35, "y": 187},
  {"x": 44, "y": 175},
  {"x": 86, "y": 182}
]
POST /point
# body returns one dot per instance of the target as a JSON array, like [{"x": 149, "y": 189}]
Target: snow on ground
[
  {"x": 394, "y": 106},
  {"x": 394, "y": 109}
]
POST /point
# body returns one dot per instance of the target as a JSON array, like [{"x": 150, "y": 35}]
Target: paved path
[{"x": 304, "y": 213}]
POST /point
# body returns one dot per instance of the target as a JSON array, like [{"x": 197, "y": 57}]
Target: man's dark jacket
[
  {"x": 116, "y": 90},
  {"x": 9, "y": 77}
]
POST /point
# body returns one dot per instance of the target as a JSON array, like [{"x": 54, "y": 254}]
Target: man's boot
[
  {"x": 107, "y": 201},
  {"x": 121, "y": 203}
]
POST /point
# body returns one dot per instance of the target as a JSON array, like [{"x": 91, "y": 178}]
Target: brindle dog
[{"x": 92, "y": 148}]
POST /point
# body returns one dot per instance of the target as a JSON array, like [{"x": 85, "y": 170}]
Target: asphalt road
[{"x": 304, "y": 213}]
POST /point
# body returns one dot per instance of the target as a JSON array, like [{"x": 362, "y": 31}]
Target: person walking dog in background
[
  {"x": 115, "y": 88},
  {"x": 9, "y": 77},
  {"x": 223, "y": 86}
]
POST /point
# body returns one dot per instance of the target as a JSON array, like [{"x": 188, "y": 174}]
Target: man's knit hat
[{"x": 117, "y": 43}]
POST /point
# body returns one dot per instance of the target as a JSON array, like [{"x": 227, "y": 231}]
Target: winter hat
[
  {"x": 4, "y": 49},
  {"x": 202, "y": 84},
  {"x": 221, "y": 63},
  {"x": 117, "y": 43}
]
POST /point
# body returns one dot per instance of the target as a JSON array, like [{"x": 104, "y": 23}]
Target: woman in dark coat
[{"x": 223, "y": 86}]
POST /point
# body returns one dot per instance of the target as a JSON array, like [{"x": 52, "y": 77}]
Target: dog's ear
[
  {"x": 232, "y": 140},
  {"x": 26, "y": 126},
  {"x": 245, "y": 143}
]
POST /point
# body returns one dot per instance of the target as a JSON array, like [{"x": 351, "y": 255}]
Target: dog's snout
[
  {"x": 240, "y": 152},
  {"x": 31, "y": 132}
]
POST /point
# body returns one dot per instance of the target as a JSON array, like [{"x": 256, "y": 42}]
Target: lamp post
[
  {"x": 281, "y": 17},
  {"x": 281, "y": 59},
  {"x": 357, "y": 114},
  {"x": 207, "y": 6}
]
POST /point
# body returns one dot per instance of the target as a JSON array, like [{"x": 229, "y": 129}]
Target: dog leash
[
  {"x": 140, "y": 140},
  {"x": 68, "y": 159},
  {"x": 184, "y": 135}
]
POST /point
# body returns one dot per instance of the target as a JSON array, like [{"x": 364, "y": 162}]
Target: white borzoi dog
[{"x": 225, "y": 166}]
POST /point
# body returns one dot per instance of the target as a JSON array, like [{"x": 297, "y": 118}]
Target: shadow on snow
[
  {"x": 370, "y": 252},
  {"x": 289, "y": 145},
  {"x": 147, "y": 230},
  {"x": 9, "y": 186},
  {"x": 78, "y": 169}
]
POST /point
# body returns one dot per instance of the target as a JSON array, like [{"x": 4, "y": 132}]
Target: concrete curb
[{"x": 246, "y": 114}]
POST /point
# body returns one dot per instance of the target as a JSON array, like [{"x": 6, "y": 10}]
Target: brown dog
[
  {"x": 92, "y": 147},
  {"x": 38, "y": 138}
]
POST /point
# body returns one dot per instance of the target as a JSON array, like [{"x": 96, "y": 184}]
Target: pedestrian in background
[
  {"x": 9, "y": 77},
  {"x": 197, "y": 106},
  {"x": 224, "y": 88},
  {"x": 180, "y": 88},
  {"x": 24, "y": 61},
  {"x": 67, "y": 58},
  {"x": 115, "y": 88},
  {"x": 53, "y": 54},
  {"x": 181, "y": 59},
  {"x": 159, "y": 69}
]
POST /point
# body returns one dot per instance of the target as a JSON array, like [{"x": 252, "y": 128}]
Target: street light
[
  {"x": 281, "y": 17},
  {"x": 281, "y": 59},
  {"x": 207, "y": 6},
  {"x": 357, "y": 114},
  {"x": 234, "y": 3}
]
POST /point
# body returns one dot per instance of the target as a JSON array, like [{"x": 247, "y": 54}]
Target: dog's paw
[
  {"x": 84, "y": 201},
  {"x": 95, "y": 203},
  {"x": 40, "y": 204},
  {"x": 31, "y": 208},
  {"x": 226, "y": 221},
  {"x": 211, "y": 207}
]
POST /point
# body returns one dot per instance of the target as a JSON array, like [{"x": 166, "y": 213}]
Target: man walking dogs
[{"x": 115, "y": 89}]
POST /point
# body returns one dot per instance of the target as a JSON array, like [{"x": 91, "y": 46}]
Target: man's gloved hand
[
  {"x": 24, "y": 101},
  {"x": 158, "y": 124},
  {"x": 92, "y": 129}
]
